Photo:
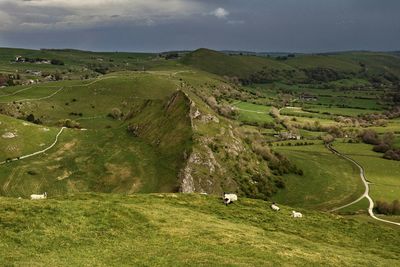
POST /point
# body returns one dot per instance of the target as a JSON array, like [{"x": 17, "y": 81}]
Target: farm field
[
  {"x": 249, "y": 112},
  {"x": 304, "y": 120},
  {"x": 351, "y": 112},
  {"x": 108, "y": 229}
]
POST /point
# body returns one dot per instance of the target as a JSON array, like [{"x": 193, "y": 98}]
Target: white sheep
[
  {"x": 229, "y": 198},
  {"x": 275, "y": 207},
  {"x": 42, "y": 196},
  {"x": 296, "y": 214}
]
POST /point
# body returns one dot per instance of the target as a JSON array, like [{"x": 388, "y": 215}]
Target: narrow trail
[
  {"x": 366, "y": 192},
  {"x": 52, "y": 94},
  {"x": 16, "y": 92},
  {"x": 35, "y": 99},
  {"x": 37, "y": 152}
]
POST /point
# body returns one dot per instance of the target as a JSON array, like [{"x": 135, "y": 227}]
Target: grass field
[
  {"x": 20, "y": 144},
  {"x": 351, "y": 112},
  {"x": 249, "y": 112},
  {"x": 181, "y": 230},
  {"x": 383, "y": 174},
  {"x": 328, "y": 180}
]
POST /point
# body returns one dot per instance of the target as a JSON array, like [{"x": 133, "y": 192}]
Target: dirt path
[
  {"x": 52, "y": 94},
  {"x": 16, "y": 92},
  {"x": 35, "y": 99},
  {"x": 37, "y": 152},
  {"x": 366, "y": 192}
]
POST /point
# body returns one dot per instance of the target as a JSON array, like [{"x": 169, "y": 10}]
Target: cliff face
[{"x": 220, "y": 160}]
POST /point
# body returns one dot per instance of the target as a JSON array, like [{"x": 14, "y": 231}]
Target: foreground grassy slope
[{"x": 181, "y": 230}]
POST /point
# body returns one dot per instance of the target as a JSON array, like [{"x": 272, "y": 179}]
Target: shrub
[
  {"x": 381, "y": 148},
  {"x": 57, "y": 62},
  {"x": 116, "y": 114},
  {"x": 393, "y": 154},
  {"x": 69, "y": 123},
  {"x": 386, "y": 208},
  {"x": 370, "y": 137}
]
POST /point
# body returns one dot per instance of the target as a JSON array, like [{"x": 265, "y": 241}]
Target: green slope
[
  {"x": 299, "y": 69},
  {"x": 106, "y": 156},
  {"x": 182, "y": 230},
  {"x": 222, "y": 64}
]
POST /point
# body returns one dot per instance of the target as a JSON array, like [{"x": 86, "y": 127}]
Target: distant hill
[{"x": 297, "y": 68}]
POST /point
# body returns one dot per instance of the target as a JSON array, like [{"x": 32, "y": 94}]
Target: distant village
[{"x": 20, "y": 59}]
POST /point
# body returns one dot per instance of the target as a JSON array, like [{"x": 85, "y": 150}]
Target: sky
[{"x": 163, "y": 25}]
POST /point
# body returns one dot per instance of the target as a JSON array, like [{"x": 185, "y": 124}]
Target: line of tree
[{"x": 382, "y": 144}]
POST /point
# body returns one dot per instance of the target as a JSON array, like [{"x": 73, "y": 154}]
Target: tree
[
  {"x": 328, "y": 139},
  {"x": 370, "y": 137},
  {"x": 388, "y": 138}
]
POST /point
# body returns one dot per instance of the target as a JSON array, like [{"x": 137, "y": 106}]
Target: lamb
[
  {"x": 296, "y": 214},
  {"x": 275, "y": 207},
  {"x": 229, "y": 198},
  {"x": 42, "y": 196}
]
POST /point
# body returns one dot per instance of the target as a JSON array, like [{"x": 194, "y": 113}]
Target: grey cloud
[{"x": 156, "y": 25}]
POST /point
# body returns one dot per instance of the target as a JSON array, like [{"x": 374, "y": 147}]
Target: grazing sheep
[
  {"x": 229, "y": 198},
  {"x": 42, "y": 196},
  {"x": 296, "y": 214},
  {"x": 275, "y": 207}
]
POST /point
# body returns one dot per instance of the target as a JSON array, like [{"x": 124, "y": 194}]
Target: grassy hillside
[
  {"x": 235, "y": 65},
  {"x": 328, "y": 180},
  {"x": 106, "y": 155},
  {"x": 181, "y": 230},
  {"x": 298, "y": 69}
]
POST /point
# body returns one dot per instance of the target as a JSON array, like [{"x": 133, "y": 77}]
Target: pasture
[
  {"x": 328, "y": 181},
  {"x": 383, "y": 174},
  {"x": 183, "y": 229},
  {"x": 104, "y": 156},
  {"x": 19, "y": 138},
  {"x": 249, "y": 112}
]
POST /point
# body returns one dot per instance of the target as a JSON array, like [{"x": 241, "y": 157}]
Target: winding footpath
[
  {"x": 366, "y": 192},
  {"x": 37, "y": 152}
]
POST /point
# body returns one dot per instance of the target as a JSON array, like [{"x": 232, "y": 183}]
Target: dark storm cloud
[{"x": 157, "y": 25}]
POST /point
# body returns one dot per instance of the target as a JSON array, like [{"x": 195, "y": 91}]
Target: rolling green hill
[
  {"x": 181, "y": 230},
  {"x": 207, "y": 122},
  {"x": 298, "y": 69}
]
